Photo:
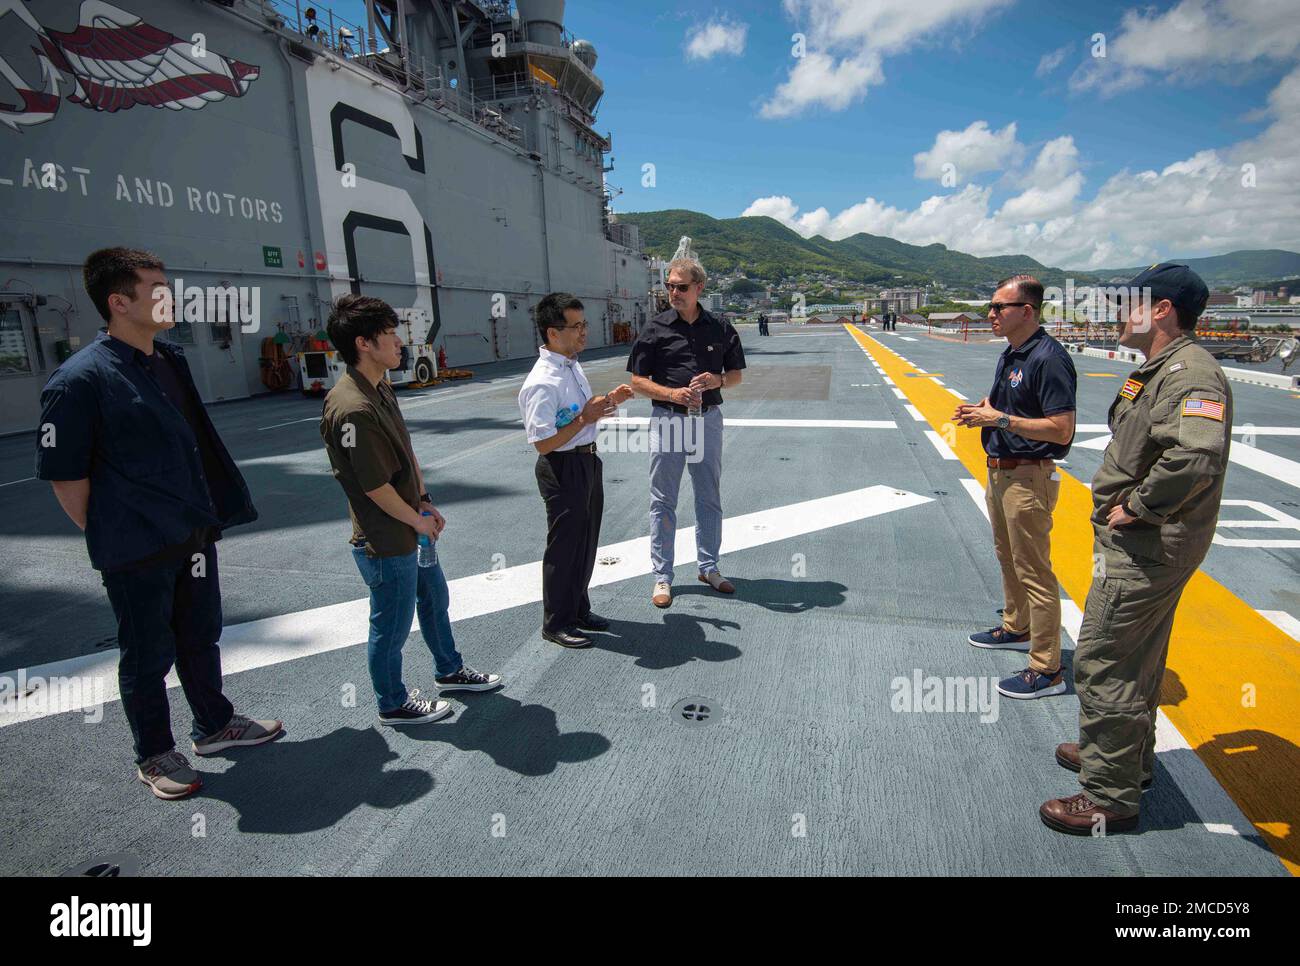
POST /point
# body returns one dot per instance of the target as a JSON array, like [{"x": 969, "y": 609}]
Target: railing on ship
[
  {"x": 516, "y": 34},
  {"x": 352, "y": 42}
]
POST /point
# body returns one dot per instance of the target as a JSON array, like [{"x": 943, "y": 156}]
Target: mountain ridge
[{"x": 762, "y": 246}]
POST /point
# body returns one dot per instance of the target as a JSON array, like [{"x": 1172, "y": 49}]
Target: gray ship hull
[{"x": 299, "y": 174}]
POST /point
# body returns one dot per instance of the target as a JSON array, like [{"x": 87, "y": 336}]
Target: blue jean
[
  {"x": 401, "y": 589},
  {"x": 667, "y": 458}
]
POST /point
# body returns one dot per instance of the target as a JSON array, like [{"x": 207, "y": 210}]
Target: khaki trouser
[
  {"x": 1118, "y": 666},
  {"x": 1020, "y": 502}
]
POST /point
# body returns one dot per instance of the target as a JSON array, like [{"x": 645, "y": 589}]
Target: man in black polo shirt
[
  {"x": 1027, "y": 423},
  {"x": 123, "y": 421},
  {"x": 681, "y": 359}
]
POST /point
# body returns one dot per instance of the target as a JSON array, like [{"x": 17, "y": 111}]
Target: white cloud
[
  {"x": 716, "y": 37},
  {"x": 1199, "y": 205},
  {"x": 1051, "y": 185},
  {"x": 972, "y": 151},
  {"x": 779, "y": 207},
  {"x": 847, "y": 41},
  {"x": 819, "y": 78},
  {"x": 1050, "y": 61},
  {"x": 1190, "y": 39}
]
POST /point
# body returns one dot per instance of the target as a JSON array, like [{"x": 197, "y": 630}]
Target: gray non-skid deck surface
[{"x": 567, "y": 770}]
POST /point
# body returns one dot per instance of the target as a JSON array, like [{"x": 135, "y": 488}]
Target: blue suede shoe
[
  {"x": 1032, "y": 684},
  {"x": 1001, "y": 639}
]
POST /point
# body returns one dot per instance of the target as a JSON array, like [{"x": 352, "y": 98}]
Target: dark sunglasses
[
  {"x": 674, "y": 287},
  {"x": 997, "y": 307}
]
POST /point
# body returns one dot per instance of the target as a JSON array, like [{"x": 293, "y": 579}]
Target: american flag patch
[{"x": 1209, "y": 408}]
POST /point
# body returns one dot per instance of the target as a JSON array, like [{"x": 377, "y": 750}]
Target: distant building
[
  {"x": 897, "y": 301},
  {"x": 949, "y": 320},
  {"x": 847, "y": 308},
  {"x": 905, "y": 299},
  {"x": 713, "y": 302}
]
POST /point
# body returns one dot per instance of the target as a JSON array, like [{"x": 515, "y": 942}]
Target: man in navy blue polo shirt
[
  {"x": 1027, "y": 423},
  {"x": 681, "y": 360},
  {"x": 123, "y": 421}
]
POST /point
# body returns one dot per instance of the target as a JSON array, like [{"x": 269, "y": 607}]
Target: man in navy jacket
[{"x": 136, "y": 463}]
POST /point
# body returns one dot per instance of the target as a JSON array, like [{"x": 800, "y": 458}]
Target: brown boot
[
  {"x": 1079, "y": 815},
  {"x": 1067, "y": 756}
]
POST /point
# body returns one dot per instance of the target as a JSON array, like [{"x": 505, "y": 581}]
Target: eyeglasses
[
  {"x": 997, "y": 307},
  {"x": 685, "y": 287}
]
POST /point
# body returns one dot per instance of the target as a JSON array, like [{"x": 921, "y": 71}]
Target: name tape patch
[
  {"x": 1131, "y": 389},
  {"x": 1209, "y": 408}
]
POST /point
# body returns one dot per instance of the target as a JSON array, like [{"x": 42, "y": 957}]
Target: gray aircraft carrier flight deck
[{"x": 862, "y": 559}]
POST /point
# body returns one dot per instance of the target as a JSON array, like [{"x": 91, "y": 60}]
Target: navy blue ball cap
[{"x": 1177, "y": 283}]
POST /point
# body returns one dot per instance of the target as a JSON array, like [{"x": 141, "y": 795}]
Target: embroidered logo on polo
[
  {"x": 1017, "y": 377},
  {"x": 1209, "y": 408},
  {"x": 1132, "y": 389}
]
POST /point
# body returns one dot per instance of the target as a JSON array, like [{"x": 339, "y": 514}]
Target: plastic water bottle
[
  {"x": 566, "y": 416},
  {"x": 693, "y": 409},
  {"x": 427, "y": 555}
]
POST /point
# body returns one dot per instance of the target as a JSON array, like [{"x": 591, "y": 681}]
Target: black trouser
[
  {"x": 165, "y": 615},
  {"x": 572, "y": 486}
]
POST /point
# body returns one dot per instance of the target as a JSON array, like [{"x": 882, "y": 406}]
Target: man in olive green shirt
[
  {"x": 370, "y": 453},
  {"x": 1156, "y": 503}
]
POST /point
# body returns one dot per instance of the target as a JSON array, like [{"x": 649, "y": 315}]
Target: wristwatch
[
  {"x": 1003, "y": 421},
  {"x": 425, "y": 498}
]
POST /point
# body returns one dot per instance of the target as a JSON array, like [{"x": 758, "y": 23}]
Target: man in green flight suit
[{"x": 1155, "y": 506}]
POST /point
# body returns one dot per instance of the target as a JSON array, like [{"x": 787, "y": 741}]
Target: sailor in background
[
  {"x": 681, "y": 359},
  {"x": 560, "y": 415},
  {"x": 1027, "y": 423},
  {"x": 1156, "y": 505}
]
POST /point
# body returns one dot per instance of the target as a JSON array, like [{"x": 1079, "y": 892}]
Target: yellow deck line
[{"x": 1221, "y": 650}]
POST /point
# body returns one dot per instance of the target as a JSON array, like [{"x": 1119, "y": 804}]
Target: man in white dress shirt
[{"x": 560, "y": 416}]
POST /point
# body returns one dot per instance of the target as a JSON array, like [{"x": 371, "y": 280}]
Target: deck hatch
[{"x": 696, "y": 711}]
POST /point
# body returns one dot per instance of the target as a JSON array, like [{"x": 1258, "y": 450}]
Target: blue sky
[{"x": 1086, "y": 166}]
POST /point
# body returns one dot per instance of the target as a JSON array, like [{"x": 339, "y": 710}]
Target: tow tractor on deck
[{"x": 321, "y": 368}]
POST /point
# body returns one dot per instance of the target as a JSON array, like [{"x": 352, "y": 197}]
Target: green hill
[
  {"x": 765, "y": 248},
  {"x": 1234, "y": 268}
]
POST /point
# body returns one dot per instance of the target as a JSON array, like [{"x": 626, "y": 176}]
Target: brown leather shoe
[
  {"x": 1079, "y": 815},
  {"x": 663, "y": 595},
  {"x": 718, "y": 582},
  {"x": 1067, "y": 756}
]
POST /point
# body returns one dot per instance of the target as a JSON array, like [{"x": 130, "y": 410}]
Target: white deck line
[
  {"x": 944, "y": 449},
  {"x": 287, "y": 637}
]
